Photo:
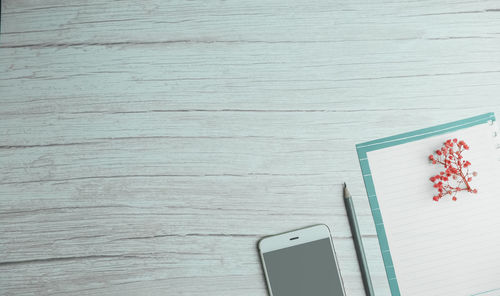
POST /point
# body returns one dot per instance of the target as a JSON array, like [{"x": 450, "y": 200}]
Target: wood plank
[
  {"x": 156, "y": 21},
  {"x": 156, "y": 265}
]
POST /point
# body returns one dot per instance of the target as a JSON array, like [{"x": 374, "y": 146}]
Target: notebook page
[{"x": 446, "y": 247}]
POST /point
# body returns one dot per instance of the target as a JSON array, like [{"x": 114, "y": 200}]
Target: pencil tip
[{"x": 347, "y": 194}]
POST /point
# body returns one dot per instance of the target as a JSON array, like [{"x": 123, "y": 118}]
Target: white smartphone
[{"x": 301, "y": 263}]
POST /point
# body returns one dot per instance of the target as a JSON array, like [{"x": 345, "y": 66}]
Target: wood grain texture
[{"x": 146, "y": 146}]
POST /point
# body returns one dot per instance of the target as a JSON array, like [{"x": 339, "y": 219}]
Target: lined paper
[{"x": 446, "y": 247}]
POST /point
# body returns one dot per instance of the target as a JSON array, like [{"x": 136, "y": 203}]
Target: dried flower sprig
[{"x": 455, "y": 177}]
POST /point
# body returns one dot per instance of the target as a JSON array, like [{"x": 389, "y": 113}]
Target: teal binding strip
[
  {"x": 364, "y": 148},
  {"x": 486, "y": 292}
]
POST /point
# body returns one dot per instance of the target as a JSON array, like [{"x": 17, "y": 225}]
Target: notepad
[{"x": 428, "y": 247}]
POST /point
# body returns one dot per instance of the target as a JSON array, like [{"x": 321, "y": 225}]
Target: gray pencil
[{"x": 358, "y": 243}]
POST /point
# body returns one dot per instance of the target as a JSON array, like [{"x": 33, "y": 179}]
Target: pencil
[{"x": 358, "y": 243}]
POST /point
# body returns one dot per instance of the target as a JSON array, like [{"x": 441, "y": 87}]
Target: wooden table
[{"x": 146, "y": 146}]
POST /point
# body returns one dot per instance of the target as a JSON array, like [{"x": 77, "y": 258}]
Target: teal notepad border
[{"x": 399, "y": 139}]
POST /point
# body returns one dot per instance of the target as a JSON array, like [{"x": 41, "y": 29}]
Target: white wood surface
[{"x": 146, "y": 146}]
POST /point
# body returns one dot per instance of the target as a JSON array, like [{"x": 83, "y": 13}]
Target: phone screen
[{"x": 307, "y": 269}]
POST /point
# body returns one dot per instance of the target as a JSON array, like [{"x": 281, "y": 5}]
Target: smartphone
[{"x": 301, "y": 263}]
